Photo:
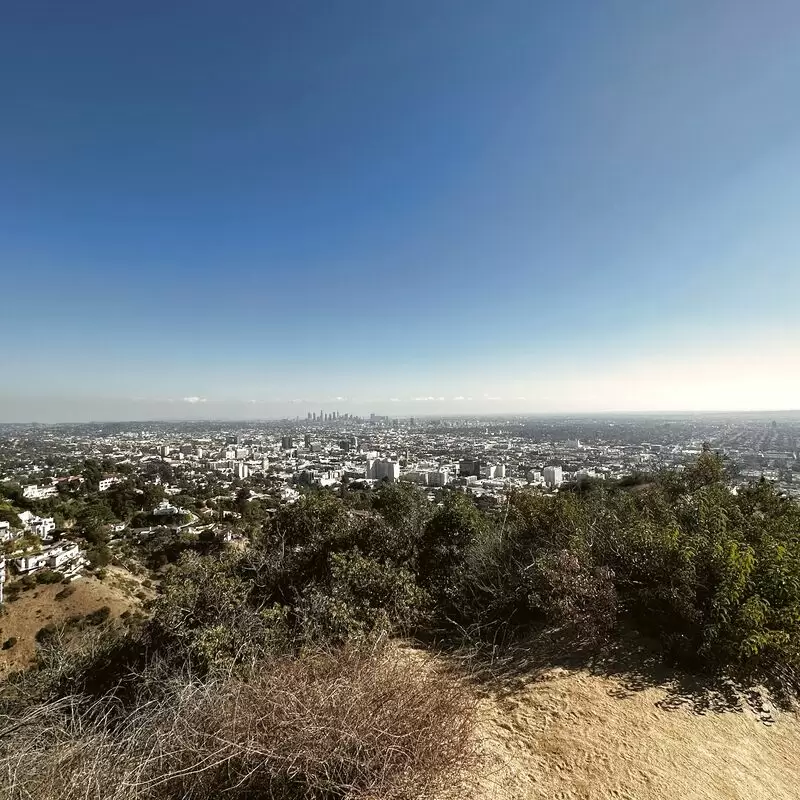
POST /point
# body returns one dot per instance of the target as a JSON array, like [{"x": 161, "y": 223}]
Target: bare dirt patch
[{"x": 582, "y": 733}]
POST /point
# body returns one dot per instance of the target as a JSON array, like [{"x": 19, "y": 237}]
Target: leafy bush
[
  {"x": 99, "y": 616},
  {"x": 66, "y": 592},
  {"x": 12, "y": 592},
  {"x": 46, "y": 633},
  {"x": 99, "y": 555},
  {"x": 47, "y": 576},
  {"x": 363, "y": 598}
]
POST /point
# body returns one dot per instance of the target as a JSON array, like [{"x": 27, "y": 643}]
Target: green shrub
[
  {"x": 99, "y": 616},
  {"x": 47, "y": 576},
  {"x": 361, "y": 598},
  {"x": 66, "y": 592},
  {"x": 46, "y": 633},
  {"x": 12, "y": 592},
  {"x": 99, "y": 555}
]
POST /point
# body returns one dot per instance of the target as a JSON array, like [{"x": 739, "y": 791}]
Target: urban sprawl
[{"x": 133, "y": 480}]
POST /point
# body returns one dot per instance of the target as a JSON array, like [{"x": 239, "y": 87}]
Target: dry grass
[{"x": 353, "y": 725}]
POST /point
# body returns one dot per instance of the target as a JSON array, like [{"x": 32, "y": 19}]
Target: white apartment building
[
  {"x": 439, "y": 477},
  {"x": 380, "y": 468},
  {"x": 106, "y": 483},
  {"x": 553, "y": 476},
  {"x": 241, "y": 470}
]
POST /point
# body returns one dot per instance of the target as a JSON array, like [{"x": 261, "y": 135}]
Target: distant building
[
  {"x": 553, "y": 476},
  {"x": 286, "y": 443},
  {"x": 41, "y": 526},
  {"x": 106, "y": 483},
  {"x": 34, "y": 492},
  {"x": 6, "y": 535},
  {"x": 439, "y": 477},
  {"x": 66, "y": 557},
  {"x": 469, "y": 466},
  {"x": 307, "y": 441},
  {"x": 241, "y": 470},
  {"x": 164, "y": 450},
  {"x": 379, "y": 469},
  {"x": 166, "y": 509}
]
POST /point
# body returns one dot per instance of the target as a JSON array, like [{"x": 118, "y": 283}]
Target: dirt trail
[{"x": 572, "y": 735}]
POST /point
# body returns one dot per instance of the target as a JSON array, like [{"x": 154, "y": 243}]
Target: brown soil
[
  {"x": 573, "y": 734},
  {"x": 37, "y": 607}
]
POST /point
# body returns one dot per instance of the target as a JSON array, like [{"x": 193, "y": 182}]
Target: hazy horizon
[
  {"x": 213, "y": 412},
  {"x": 252, "y": 209}
]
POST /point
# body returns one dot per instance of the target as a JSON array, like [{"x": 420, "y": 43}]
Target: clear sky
[{"x": 263, "y": 208}]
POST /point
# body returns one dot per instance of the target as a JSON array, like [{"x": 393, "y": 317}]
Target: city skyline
[{"x": 577, "y": 208}]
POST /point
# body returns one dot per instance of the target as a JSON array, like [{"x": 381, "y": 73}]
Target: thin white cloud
[
  {"x": 424, "y": 399},
  {"x": 459, "y": 398},
  {"x": 394, "y": 399},
  {"x": 194, "y": 399},
  {"x": 520, "y": 398}
]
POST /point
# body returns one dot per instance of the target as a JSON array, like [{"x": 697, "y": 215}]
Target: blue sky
[{"x": 256, "y": 208}]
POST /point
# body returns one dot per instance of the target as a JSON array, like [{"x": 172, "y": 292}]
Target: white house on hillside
[
  {"x": 41, "y": 526},
  {"x": 65, "y": 557}
]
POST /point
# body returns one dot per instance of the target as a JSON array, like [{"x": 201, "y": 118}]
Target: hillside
[
  {"x": 573, "y": 735},
  {"x": 38, "y": 607}
]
